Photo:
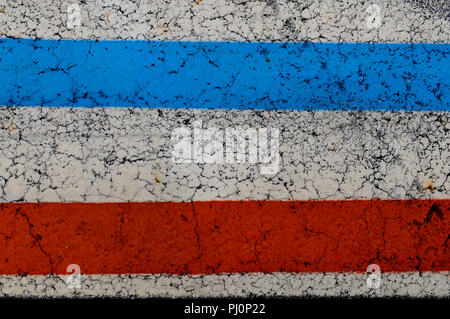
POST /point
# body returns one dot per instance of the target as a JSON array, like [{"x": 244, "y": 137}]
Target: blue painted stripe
[{"x": 298, "y": 76}]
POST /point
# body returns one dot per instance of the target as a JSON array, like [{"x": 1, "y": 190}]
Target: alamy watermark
[
  {"x": 373, "y": 17},
  {"x": 73, "y": 16},
  {"x": 73, "y": 281},
  {"x": 374, "y": 279},
  {"x": 231, "y": 145}
]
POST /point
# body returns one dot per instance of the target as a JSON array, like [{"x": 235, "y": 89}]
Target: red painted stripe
[{"x": 216, "y": 237}]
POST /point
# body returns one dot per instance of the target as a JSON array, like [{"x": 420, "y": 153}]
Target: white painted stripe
[
  {"x": 221, "y": 20},
  {"x": 118, "y": 154},
  {"x": 230, "y": 285}
]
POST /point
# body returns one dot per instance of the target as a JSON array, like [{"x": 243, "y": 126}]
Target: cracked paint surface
[
  {"x": 229, "y": 237},
  {"x": 97, "y": 186},
  {"x": 225, "y": 75},
  {"x": 211, "y": 20},
  {"x": 230, "y": 285},
  {"x": 113, "y": 155}
]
